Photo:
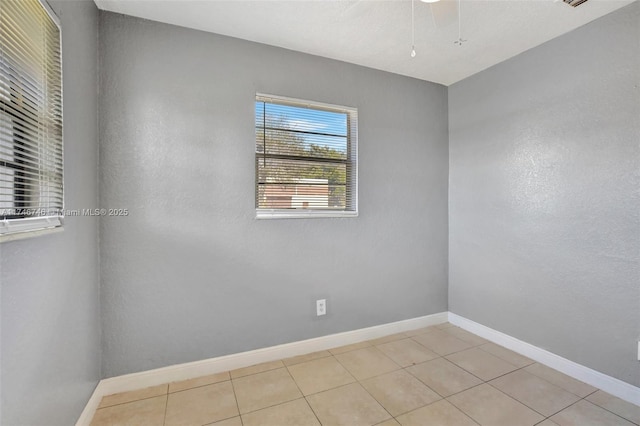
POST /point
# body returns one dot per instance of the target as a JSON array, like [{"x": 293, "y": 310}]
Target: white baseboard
[
  {"x": 608, "y": 384},
  {"x": 244, "y": 359}
]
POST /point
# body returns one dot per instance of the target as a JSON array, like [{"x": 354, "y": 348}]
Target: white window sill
[
  {"x": 302, "y": 214},
  {"x": 5, "y": 238},
  {"x": 19, "y": 229}
]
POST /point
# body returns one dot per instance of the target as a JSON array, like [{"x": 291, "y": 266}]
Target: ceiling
[{"x": 377, "y": 33}]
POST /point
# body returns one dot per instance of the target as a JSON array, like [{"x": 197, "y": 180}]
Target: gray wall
[
  {"x": 190, "y": 274},
  {"x": 543, "y": 196},
  {"x": 50, "y": 292}
]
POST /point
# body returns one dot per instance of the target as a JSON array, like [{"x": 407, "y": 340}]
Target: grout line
[
  {"x": 570, "y": 405},
  {"x": 302, "y": 393},
  {"x": 257, "y": 372},
  {"x": 312, "y": 410},
  {"x": 294, "y": 381},
  {"x": 463, "y": 369},
  {"x": 499, "y": 390},
  {"x": 337, "y": 387},
  {"x": 166, "y": 407},
  {"x": 377, "y": 375},
  {"x": 501, "y": 375},
  {"x": 309, "y": 360},
  {"x": 235, "y": 398},
  {"x": 591, "y": 393},
  {"x": 593, "y": 403},
  {"x": 374, "y": 398},
  {"x": 303, "y": 396},
  {"x": 544, "y": 416},
  {"x": 498, "y": 356},
  {"x": 128, "y": 402},
  {"x": 460, "y": 409},
  {"x": 558, "y": 386},
  {"x": 199, "y": 386},
  {"x": 440, "y": 400},
  {"x": 268, "y": 406},
  {"x": 454, "y": 352},
  {"x": 469, "y": 388},
  {"x": 562, "y": 409}
]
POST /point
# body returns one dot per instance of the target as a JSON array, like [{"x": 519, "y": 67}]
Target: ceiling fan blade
[{"x": 445, "y": 13}]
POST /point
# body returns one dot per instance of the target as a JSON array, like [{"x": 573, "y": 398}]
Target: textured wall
[
  {"x": 190, "y": 274},
  {"x": 50, "y": 293},
  {"x": 544, "y": 206}
]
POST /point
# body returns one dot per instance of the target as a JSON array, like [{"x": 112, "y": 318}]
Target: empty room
[{"x": 319, "y": 212}]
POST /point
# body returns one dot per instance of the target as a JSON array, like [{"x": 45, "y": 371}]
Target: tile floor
[{"x": 440, "y": 375}]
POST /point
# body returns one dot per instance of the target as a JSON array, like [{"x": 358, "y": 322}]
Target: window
[
  {"x": 31, "y": 182},
  {"x": 306, "y": 159}
]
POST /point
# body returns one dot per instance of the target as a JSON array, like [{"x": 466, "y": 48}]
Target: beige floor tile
[
  {"x": 399, "y": 392},
  {"x": 293, "y": 413},
  {"x": 320, "y": 375},
  {"x": 562, "y": 380},
  {"x": 387, "y": 339},
  {"x": 534, "y": 392},
  {"x": 390, "y": 422},
  {"x": 444, "y": 325},
  {"x": 202, "y": 405},
  {"x": 233, "y": 421},
  {"x": 490, "y": 407},
  {"x": 121, "y": 398},
  {"x": 547, "y": 422},
  {"x": 258, "y": 368},
  {"x": 407, "y": 352},
  {"x": 145, "y": 412},
  {"x": 443, "y": 376},
  {"x": 616, "y": 405},
  {"x": 441, "y": 342},
  {"x": 348, "y": 405},
  {"x": 440, "y": 413},
  {"x": 198, "y": 381},
  {"x": 265, "y": 389},
  {"x": 464, "y": 335},
  {"x": 306, "y": 357},
  {"x": 367, "y": 362},
  {"x": 481, "y": 364},
  {"x": 420, "y": 331},
  {"x": 584, "y": 413},
  {"x": 509, "y": 356},
  {"x": 352, "y": 347}
]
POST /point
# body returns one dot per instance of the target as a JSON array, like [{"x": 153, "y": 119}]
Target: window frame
[
  {"x": 23, "y": 226},
  {"x": 352, "y": 160}
]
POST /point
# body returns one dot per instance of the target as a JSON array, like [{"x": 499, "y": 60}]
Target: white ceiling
[{"x": 377, "y": 33}]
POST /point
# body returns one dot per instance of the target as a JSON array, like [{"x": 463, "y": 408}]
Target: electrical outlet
[
  {"x": 321, "y": 307},
  {"x": 639, "y": 351}
]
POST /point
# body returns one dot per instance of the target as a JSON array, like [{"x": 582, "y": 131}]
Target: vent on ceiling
[{"x": 574, "y": 3}]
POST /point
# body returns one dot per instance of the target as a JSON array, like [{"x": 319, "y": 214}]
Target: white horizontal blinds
[
  {"x": 305, "y": 156},
  {"x": 30, "y": 113}
]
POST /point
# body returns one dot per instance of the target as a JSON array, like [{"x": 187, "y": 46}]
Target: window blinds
[
  {"x": 31, "y": 174},
  {"x": 305, "y": 156}
]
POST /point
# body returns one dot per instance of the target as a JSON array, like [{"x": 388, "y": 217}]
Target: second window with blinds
[{"x": 306, "y": 159}]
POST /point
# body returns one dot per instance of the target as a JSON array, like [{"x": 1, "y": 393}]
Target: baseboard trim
[
  {"x": 608, "y": 384},
  {"x": 190, "y": 370}
]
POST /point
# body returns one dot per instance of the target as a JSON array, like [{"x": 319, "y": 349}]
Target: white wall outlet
[
  {"x": 639, "y": 351},
  {"x": 321, "y": 307}
]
